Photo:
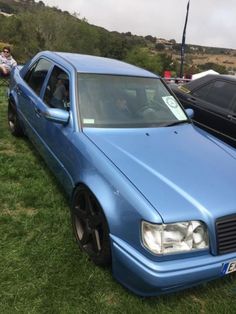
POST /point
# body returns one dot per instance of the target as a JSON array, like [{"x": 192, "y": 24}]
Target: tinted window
[
  {"x": 57, "y": 90},
  {"x": 36, "y": 75},
  {"x": 203, "y": 91},
  {"x": 234, "y": 108},
  {"x": 219, "y": 93}
]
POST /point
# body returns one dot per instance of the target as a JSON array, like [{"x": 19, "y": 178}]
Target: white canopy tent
[{"x": 201, "y": 74}]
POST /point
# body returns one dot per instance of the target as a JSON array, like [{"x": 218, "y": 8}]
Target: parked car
[
  {"x": 213, "y": 99},
  {"x": 150, "y": 193}
]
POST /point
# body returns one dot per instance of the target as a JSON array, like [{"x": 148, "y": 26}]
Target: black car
[{"x": 213, "y": 99}]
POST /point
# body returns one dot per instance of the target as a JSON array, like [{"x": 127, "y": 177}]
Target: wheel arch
[{"x": 103, "y": 193}]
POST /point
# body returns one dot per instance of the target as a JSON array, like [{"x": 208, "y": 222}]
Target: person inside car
[
  {"x": 119, "y": 109},
  {"x": 60, "y": 95}
]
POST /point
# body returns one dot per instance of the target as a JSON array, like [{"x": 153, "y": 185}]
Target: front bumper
[{"x": 146, "y": 277}]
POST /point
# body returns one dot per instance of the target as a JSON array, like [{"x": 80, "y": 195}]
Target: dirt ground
[{"x": 226, "y": 60}]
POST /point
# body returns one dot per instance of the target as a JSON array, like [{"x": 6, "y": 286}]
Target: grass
[{"x": 41, "y": 268}]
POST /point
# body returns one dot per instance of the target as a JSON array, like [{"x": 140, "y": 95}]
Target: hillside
[
  {"x": 30, "y": 27},
  {"x": 34, "y": 27},
  {"x": 16, "y": 6}
]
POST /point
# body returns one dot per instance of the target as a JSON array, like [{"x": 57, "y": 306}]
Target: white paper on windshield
[
  {"x": 88, "y": 121},
  {"x": 174, "y": 107}
]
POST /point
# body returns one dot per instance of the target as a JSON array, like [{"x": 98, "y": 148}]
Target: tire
[
  {"x": 90, "y": 226},
  {"x": 13, "y": 121}
]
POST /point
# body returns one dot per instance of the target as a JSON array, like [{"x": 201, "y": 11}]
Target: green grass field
[{"x": 41, "y": 268}]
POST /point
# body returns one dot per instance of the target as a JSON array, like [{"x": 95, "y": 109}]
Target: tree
[
  {"x": 160, "y": 46},
  {"x": 214, "y": 66},
  {"x": 157, "y": 63},
  {"x": 151, "y": 38}
]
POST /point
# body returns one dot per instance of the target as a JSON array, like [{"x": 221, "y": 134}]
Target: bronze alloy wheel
[{"x": 90, "y": 226}]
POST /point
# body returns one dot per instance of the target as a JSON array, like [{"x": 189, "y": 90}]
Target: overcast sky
[{"x": 210, "y": 23}]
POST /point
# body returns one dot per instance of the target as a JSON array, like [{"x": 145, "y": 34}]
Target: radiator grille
[{"x": 226, "y": 234}]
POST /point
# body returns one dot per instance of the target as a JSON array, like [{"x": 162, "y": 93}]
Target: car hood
[{"x": 182, "y": 171}]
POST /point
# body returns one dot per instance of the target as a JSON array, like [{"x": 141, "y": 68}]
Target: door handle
[
  {"x": 18, "y": 91},
  {"x": 191, "y": 99},
  {"x": 38, "y": 112}
]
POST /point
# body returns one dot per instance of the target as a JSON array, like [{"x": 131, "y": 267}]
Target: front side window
[
  {"x": 218, "y": 93},
  {"x": 122, "y": 101},
  {"x": 36, "y": 75},
  {"x": 203, "y": 91},
  {"x": 57, "y": 89}
]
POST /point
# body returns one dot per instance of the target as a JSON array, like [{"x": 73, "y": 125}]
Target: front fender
[{"x": 123, "y": 206}]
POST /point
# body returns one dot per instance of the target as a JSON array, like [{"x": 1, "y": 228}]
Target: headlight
[{"x": 175, "y": 238}]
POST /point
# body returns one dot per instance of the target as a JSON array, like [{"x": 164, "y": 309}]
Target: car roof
[
  {"x": 97, "y": 65},
  {"x": 207, "y": 78}
]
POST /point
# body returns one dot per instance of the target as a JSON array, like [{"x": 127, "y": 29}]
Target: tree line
[
  {"x": 34, "y": 27},
  {"x": 38, "y": 27}
]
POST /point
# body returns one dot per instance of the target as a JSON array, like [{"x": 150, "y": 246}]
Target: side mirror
[
  {"x": 190, "y": 113},
  {"x": 57, "y": 115}
]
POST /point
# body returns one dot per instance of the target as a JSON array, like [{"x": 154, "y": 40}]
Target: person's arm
[{"x": 13, "y": 63}]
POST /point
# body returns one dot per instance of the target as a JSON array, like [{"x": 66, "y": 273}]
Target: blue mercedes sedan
[{"x": 151, "y": 194}]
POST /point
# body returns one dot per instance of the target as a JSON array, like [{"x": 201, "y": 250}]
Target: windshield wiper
[{"x": 177, "y": 122}]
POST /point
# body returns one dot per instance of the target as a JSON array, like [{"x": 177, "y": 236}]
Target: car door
[
  {"x": 36, "y": 97},
  {"x": 29, "y": 98},
  {"x": 212, "y": 103},
  {"x": 56, "y": 136}
]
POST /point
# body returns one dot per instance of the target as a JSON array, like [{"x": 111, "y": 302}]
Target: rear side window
[
  {"x": 36, "y": 75},
  {"x": 218, "y": 93}
]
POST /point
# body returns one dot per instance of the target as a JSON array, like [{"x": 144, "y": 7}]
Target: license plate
[{"x": 229, "y": 267}]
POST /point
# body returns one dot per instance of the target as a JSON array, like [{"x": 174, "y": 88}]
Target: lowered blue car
[{"x": 150, "y": 193}]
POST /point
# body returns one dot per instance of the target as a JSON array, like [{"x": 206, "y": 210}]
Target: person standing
[{"x": 7, "y": 62}]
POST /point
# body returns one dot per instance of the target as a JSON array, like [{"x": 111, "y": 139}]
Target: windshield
[{"x": 126, "y": 102}]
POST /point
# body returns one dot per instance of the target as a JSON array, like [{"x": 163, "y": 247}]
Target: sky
[{"x": 210, "y": 22}]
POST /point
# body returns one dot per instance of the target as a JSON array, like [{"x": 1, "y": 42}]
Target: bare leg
[{"x": 4, "y": 70}]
